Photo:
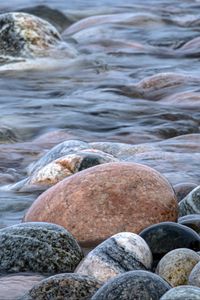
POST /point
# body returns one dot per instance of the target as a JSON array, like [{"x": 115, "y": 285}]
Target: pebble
[
  {"x": 62, "y": 149},
  {"x": 116, "y": 197},
  {"x": 67, "y": 165},
  {"x": 64, "y": 286},
  {"x": 120, "y": 253},
  {"x": 184, "y": 292},
  {"x": 192, "y": 221},
  {"x": 176, "y": 265},
  {"x": 194, "y": 277},
  {"x": 183, "y": 189},
  {"x": 140, "y": 285},
  {"x": 191, "y": 203},
  {"x": 38, "y": 247},
  {"x": 167, "y": 236}
]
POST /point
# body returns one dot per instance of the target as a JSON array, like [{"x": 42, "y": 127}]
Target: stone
[
  {"x": 191, "y": 203},
  {"x": 184, "y": 292},
  {"x": 133, "y": 285},
  {"x": 167, "y": 236},
  {"x": 62, "y": 149},
  {"x": 183, "y": 189},
  {"x": 120, "y": 253},
  {"x": 66, "y": 166},
  {"x": 13, "y": 286},
  {"x": 192, "y": 221},
  {"x": 194, "y": 277},
  {"x": 38, "y": 247},
  {"x": 64, "y": 286},
  {"x": 176, "y": 265},
  {"x": 25, "y": 35},
  {"x": 114, "y": 197}
]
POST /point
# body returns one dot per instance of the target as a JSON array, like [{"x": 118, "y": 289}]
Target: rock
[
  {"x": 38, "y": 247},
  {"x": 184, "y": 292},
  {"x": 62, "y": 149},
  {"x": 120, "y": 253},
  {"x": 67, "y": 165},
  {"x": 133, "y": 285},
  {"x": 176, "y": 265},
  {"x": 167, "y": 236},
  {"x": 183, "y": 189},
  {"x": 192, "y": 221},
  {"x": 194, "y": 277},
  {"x": 115, "y": 197},
  {"x": 13, "y": 286},
  {"x": 191, "y": 203},
  {"x": 64, "y": 286}
]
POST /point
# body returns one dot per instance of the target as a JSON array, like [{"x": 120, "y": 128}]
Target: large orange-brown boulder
[{"x": 106, "y": 199}]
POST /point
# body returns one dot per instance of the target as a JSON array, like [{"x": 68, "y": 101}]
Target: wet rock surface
[{"x": 182, "y": 293}]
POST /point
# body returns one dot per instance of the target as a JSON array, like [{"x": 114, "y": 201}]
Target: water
[{"x": 101, "y": 95}]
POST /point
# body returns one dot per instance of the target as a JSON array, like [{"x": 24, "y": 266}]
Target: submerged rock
[
  {"x": 38, "y": 247},
  {"x": 26, "y": 36},
  {"x": 120, "y": 253},
  {"x": 106, "y": 199},
  {"x": 64, "y": 286}
]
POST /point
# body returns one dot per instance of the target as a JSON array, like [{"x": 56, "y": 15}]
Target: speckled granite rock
[
  {"x": 120, "y": 253},
  {"x": 64, "y": 286},
  {"x": 194, "y": 277},
  {"x": 38, "y": 247},
  {"x": 13, "y": 286},
  {"x": 64, "y": 148},
  {"x": 140, "y": 285},
  {"x": 176, "y": 265},
  {"x": 167, "y": 236},
  {"x": 183, "y": 189},
  {"x": 114, "y": 196},
  {"x": 184, "y": 292},
  {"x": 192, "y": 221},
  {"x": 191, "y": 203},
  {"x": 26, "y": 36}
]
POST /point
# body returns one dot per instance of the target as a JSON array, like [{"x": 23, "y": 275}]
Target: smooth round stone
[
  {"x": 183, "y": 189},
  {"x": 184, "y": 292},
  {"x": 194, "y": 278},
  {"x": 140, "y": 285},
  {"x": 38, "y": 247},
  {"x": 167, "y": 236},
  {"x": 192, "y": 221},
  {"x": 13, "y": 286},
  {"x": 176, "y": 265},
  {"x": 62, "y": 149},
  {"x": 191, "y": 203},
  {"x": 25, "y": 35},
  {"x": 64, "y": 286},
  {"x": 67, "y": 165},
  {"x": 120, "y": 253},
  {"x": 106, "y": 199}
]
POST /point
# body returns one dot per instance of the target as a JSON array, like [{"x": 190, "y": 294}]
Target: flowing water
[{"x": 106, "y": 93}]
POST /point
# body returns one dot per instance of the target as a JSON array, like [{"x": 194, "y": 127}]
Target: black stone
[
  {"x": 192, "y": 221},
  {"x": 167, "y": 236},
  {"x": 133, "y": 285}
]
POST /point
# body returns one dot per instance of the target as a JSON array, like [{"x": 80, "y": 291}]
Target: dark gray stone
[
  {"x": 167, "y": 236},
  {"x": 38, "y": 247},
  {"x": 183, "y": 189},
  {"x": 140, "y": 285},
  {"x": 64, "y": 286},
  {"x": 192, "y": 221},
  {"x": 184, "y": 292}
]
